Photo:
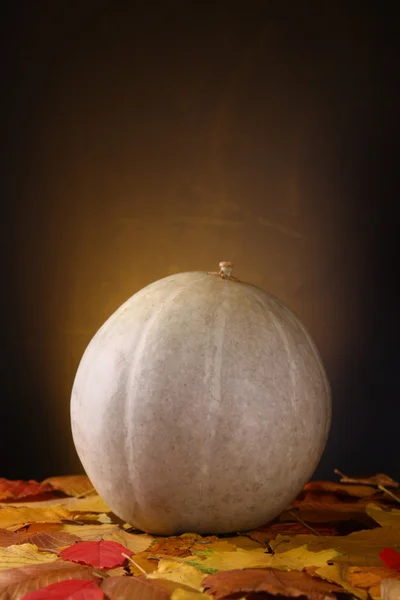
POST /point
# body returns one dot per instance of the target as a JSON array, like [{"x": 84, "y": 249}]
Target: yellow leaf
[
  {"x": 182, "y": 594},
  {"x": 179, "y": 572},
  {"x": 360, "y": 548},
  {"x": 385, "y": 517},
  {"x": 135, "y": 542},
  {"x": 13, "y": 515},
  {"x": 297, "y": 559},
  {"x": 72, "y": 485},
  {"x": 23, "y": 554},
  {"x": 91, "y": 504},
  {"x": 336, "y": 574},
  {"x": 90, "y": 533}
]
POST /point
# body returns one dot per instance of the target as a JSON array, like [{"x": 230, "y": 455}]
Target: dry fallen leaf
[
  {"x": 360, "y": 548},
  {"x": 369, "y": 578},
  {"x": 136, "y": 542},
  {"x": 23, "y": 554},
  {"x": 73, "y": 589},
  {"x": 179, "y": 572},
  {"x": 103, "y": 554},
  {"x": 379, "y": 479},
  {"x": 337, "y": 574},
  {"x": 15, "y": 583},
  {"x": 384, "y": 516},
  {"x": 282, "y": 583},
  {"x": 135, "y": 588},
  {"x": 71, "y": 485},
  {"x": 340, "y": 489},
  {"x": 13, "y": 515},
  {"x": 17, "y": 489},
  {"x": 52, "y": 541}
]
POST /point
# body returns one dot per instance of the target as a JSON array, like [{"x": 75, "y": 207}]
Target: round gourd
[{"x": 201, "y": 405}]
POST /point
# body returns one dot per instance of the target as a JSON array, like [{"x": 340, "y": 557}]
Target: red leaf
[
  {"x": 73, "y": 589},
  {"x": 391, "y": 558},
  {"x": 103, "y": 554},
  {"x": 17, "y": 489}
]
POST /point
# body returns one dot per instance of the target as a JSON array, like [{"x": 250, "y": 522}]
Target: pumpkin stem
[{"x": 225, "y": 270}]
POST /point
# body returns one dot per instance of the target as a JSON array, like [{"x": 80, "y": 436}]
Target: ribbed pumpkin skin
[{"x": 201, "y": 405}]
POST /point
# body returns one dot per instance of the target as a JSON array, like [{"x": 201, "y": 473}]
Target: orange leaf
[{"x": 18, "y": 489}]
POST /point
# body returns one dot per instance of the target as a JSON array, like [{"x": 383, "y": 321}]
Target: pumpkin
[{"x": 201, "y": 405}]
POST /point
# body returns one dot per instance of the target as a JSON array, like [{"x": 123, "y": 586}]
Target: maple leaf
[
  {"x": 103, "y": 554},
  {"x": 16, "y": 489},
  {"x": 391, "y": 558},
  {"x": 15, "y": 583},
  {"x": 71, "y": 485},
  {"x": 73, "y": 589},
  {"x": 288, "y": 584},
  {"x": 22, "y": 554},
  {"x": 369, "y": 578},
  {"x": 296, "y": 558},
  {"x": 336, "y": 574}
]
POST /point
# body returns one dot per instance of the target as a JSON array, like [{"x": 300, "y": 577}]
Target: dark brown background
[{"x": 170, "y": 135}]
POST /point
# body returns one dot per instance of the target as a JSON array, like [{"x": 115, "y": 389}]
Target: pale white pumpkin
[{"x": 201, "y": 405}]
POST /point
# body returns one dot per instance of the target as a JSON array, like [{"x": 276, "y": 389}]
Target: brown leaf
[
  {"x": 52, "y": 541},
  {"x": 315, "y": 512},
  {"x": 71, "y": 485},
  {"x": 15, "y": 583},
  {"x": 174, "y": 545},
  {"x": 8, "y": 538},
  {"x": 269, "y": 532},
  {"x": 284, "y": 583},
  {"x": 340, "y": 489},
  {"x": 379, "y": 479},
  {"x": 134, "y": 588}
]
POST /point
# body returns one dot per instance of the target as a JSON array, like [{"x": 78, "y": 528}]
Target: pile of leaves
[{"x": 337, "y": 540}]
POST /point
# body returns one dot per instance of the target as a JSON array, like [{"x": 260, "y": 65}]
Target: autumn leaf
[
  {"x": 179, "y": 572},
  {"x": 336, "y": 574},
  {"x": 269, "y": 532},
  {"x": 288, "y": 584},
  {"x": 15, "y": 583},
  {"x": 341, "y": 489},
  {"x": 7, "y": 538},
  {"x": 23, "y": 554},
  {"x": 391, "y": 558},
  {"x": 378, "y": 479},
  {"x": 141, "y": 563},
  {"x": 73, "y": 589},
  {"x": 136, "y": 542},
  {"x": 183, "y": 594},
  {"x": 385, "y": 517},
  {"x": 71, "y": 485},
  {"x": 360, "y": 548},
  {"x": 17, "y": 489},
  {"x": 319, "y": 512},
  {"x": 103, "y": 554},
  {"x": 91, "y": 532},
  {"x": 297, "y": 558},
  {"x": 174, "y": 545},
  {"x": 52, "y": 541},
  {"x": 135, "y": 588},
  {"x": 13, "y": 515},
  {"x": 369, "y": 578}
]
